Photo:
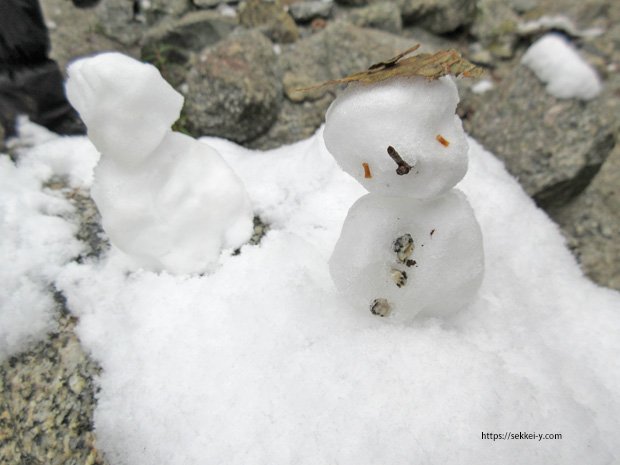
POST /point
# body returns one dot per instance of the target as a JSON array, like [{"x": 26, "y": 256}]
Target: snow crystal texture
[
  {"x": 262, "y": 362},
  {"x": 168, "y": 201},
  {"x": 557, "y": 63}
]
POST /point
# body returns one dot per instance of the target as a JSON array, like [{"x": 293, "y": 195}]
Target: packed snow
[
  {"x": 262, "y": 362},
  {"x": 412, "y": 119},
  {"x": 379, "y": 261},
  {"x": 556, "y": 62},
  {"x": 170, "y": 202},
  {"x": 441, "y": 274}
]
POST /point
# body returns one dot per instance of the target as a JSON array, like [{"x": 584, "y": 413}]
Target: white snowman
[
  {"x": 167, "y": 200},
  {"x": 412, "y": 245}
]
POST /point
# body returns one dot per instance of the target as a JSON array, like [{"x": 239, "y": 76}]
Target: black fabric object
[
  {"x": 37, "y": 91},
  {"x": 23, "y": 35},
  {"x": 31, "y": 83}
]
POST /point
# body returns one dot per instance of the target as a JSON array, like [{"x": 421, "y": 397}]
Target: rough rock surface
[
  {"x": 170, "y": 45},
  {"x": 591, "y": 224},
  {"x": 303, "y": 12},
  {"x": 235, "y": 87},
  {"x": 438, "y": 16},
  {"x": 554, "y": 147},
  {"x": 336, "y": 51},
  {"x": 47, "y": 398},
  {"x": 381, "y": 15},
  {"x": 269, "y": 17}
]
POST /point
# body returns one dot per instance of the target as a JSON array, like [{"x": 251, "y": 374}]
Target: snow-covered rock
[{"x": 168, "y": 201}]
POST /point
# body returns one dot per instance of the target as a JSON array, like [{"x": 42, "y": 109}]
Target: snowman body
[{"x": 412, "y": 245}]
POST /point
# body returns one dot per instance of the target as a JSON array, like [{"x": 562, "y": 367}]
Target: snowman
[
  {"x": 412, "y": 245},
  {"x": 168, "y": 201}
]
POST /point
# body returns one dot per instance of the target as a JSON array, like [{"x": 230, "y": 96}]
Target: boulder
[
  {"x": 304, "y": 12},
  {"x": 235, "y": 88},
  {"x": 553, "y": 147},
  {"x": 381, "y": 15},
  {"x": 170, "y": 45},
  {"x": 438, "y": 16},
  {"x": 336, "y": 51},
  {"x": 591, "y": 224},
  {"x": 120, "y": 21},
  {"x": 271, "y": 18}
]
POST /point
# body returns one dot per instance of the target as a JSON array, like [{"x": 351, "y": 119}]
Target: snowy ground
[{"x": 262, "y": 362}]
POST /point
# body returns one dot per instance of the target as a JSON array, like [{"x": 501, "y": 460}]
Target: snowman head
[
  {"x": 399, "y": 136},
  {"x": 126, "y": 105}
]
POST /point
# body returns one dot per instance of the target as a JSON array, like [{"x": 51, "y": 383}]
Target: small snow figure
[
  {"x": 169, "y": 201},
  {"x": 398, "y": 122}
]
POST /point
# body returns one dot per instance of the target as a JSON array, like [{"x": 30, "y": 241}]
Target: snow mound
[
  {"x": 263, "y": 363},
  {"x": 557, "y": 63}
]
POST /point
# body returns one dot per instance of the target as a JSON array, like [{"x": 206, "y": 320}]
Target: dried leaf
[{"x": 428, "y": 65}]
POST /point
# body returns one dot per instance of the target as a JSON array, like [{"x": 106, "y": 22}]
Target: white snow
[
  {"x": 169, "y": 202},
  {"x": 261, "y": 362},
  {"x": 408, "y": 114},
  {"x": 482, "y": 86},
  {"x": 556, "y": 62},
  {"x": 36, "y": 237}
]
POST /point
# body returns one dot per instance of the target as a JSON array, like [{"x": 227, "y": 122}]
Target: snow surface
[
  {"x": 555, "y": 61},
  {"x": 408, "y": 114},
  {"x": 261, "y": 362},
  {"x": 36, "y": 237},
  {"x": 168, "y": 201}
]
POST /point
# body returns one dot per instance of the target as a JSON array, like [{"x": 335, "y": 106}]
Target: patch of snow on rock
[{"x": 556, "y": 62}]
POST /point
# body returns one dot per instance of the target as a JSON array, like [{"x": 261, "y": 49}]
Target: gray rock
[
  {"x": 438, "y": 16},
  {"x": 207, "y": 3},
  {"x": 235, "y": 88},
  {"x": 118, "y": 20},
  {"x": 354, "y": 2},
  {"x": 155, "y": 10},
  {"x": 170, "y": 45},
  {"x": 495, "y": 26},
  {"x": 382, "y": 15},
  {"x": 271, "y": 18},
  {"x": 592, "y": 224},
  {"x": 304, "y": 12},
  {"x": 338, "y": 50},
  {"x": 553, "y": 147}
]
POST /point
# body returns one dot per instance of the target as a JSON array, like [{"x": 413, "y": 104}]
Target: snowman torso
[{"x": 412, "y": 246}]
